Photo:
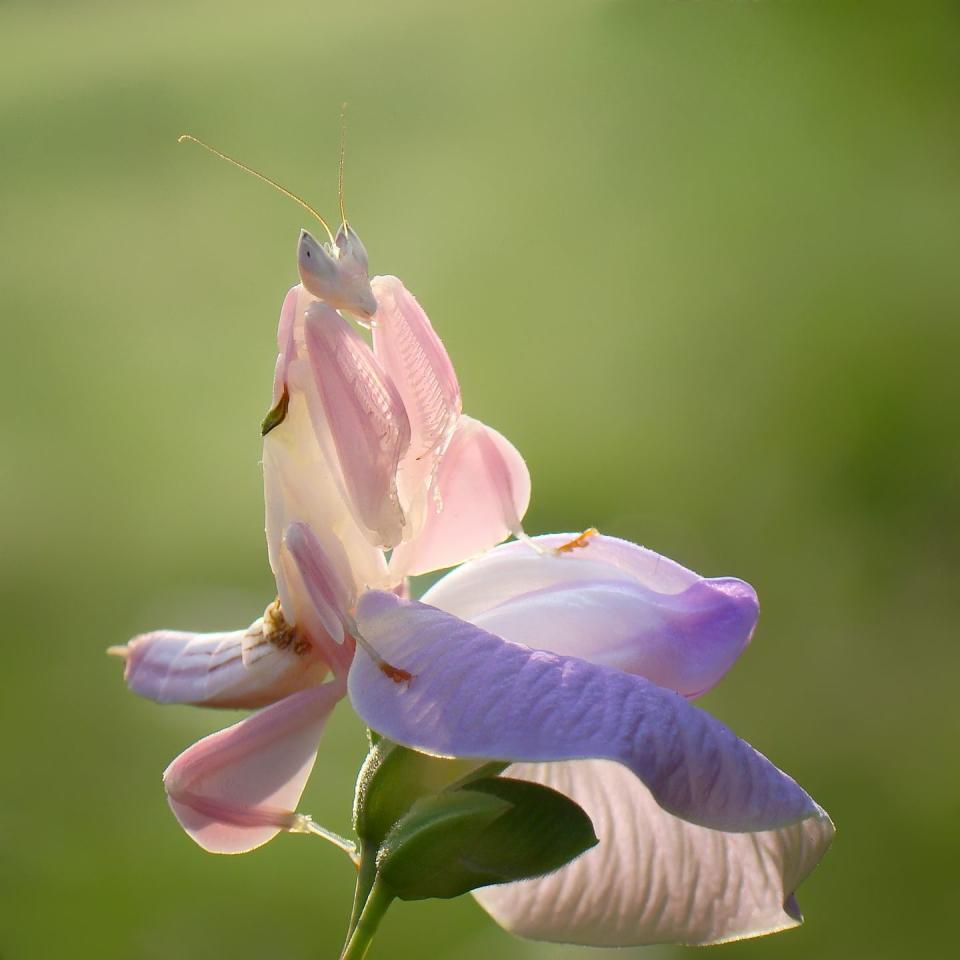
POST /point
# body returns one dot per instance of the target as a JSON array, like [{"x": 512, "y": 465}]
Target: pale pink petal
[
  {"x": 654, "y": 878},
  {"x": 241, "y": 669},
  {"x": 481, "y": 493},
  {"x": 682, "y": 641},
  {"x": 238, "y": 788},
  {"x": 414, "y": 358},
  {"x": 366, "y": 419},
  {"x": 513, "y": 569}
]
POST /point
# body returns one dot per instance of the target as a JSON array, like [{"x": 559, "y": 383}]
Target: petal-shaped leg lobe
[
  {"x": 240, "y": 669},
  {"x": 238, "y": 788},
  {"x": 654, "y": 878},
  {"x": 325, "y": 572},
  {"x": 366, "y": 418},
  {"x": 481, "y": 492},
  {"x": 414, "y": 358},
  {"x": 476, "y": 695}
]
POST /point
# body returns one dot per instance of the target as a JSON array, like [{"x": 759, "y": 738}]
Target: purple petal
[
  {"x": 476, "y": 695},
  {"x": 683, "y": 641},
  {"x": 609, "y": 602},
  {"x": 654, "y": 878}
]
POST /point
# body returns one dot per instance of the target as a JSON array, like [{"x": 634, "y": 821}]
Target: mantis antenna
[
  {"x": 273, "y": 183},
  {"x": 343, "y": 150}
]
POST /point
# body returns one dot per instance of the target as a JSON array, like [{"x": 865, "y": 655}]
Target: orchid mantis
[{"x": 385, "y": 430}]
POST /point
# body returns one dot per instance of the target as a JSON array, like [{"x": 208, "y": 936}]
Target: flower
[
  {"x": 572, "y": 658},
  {"x": 578, "y": 666}
]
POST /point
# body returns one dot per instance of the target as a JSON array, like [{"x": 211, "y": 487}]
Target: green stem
[
  {"x": 366, "y": 875},
  {"x": 375, "y": 907}
]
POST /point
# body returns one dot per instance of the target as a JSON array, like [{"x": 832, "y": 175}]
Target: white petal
[
  {"x": 513, "y": 569},
  {"x": 654, "y": 878}
]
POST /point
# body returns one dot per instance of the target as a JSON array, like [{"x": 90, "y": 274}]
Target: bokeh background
[{"x": 699, "y": 260}]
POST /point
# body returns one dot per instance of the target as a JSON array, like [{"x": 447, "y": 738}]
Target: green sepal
[
  {"x": 393, "y": 778},
  {"x": 416, "y": 856},
  {"x": 493, "y": 830}
]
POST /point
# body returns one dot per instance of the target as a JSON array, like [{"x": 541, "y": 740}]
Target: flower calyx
[{"x": 439, "y": 827}]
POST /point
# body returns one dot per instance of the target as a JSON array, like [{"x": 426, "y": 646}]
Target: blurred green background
[{"x": 698, "y": 260}]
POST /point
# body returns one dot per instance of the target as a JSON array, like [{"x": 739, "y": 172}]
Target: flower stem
[
  {"x": 302, "y": 823},
  {"x": 366, "y": 875},
  {"x": 347, "y": 846},
  {"x": 377, "y": 901}
]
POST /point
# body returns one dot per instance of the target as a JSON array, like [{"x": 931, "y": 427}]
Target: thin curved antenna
[
  {"x": 343, "y": 151},
  {"x": 254, "y": 173}
]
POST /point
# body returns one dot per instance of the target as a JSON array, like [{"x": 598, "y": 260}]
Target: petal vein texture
[
  {"x": 476, "y": 695},
  {"x": 655, "y": 878}
]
